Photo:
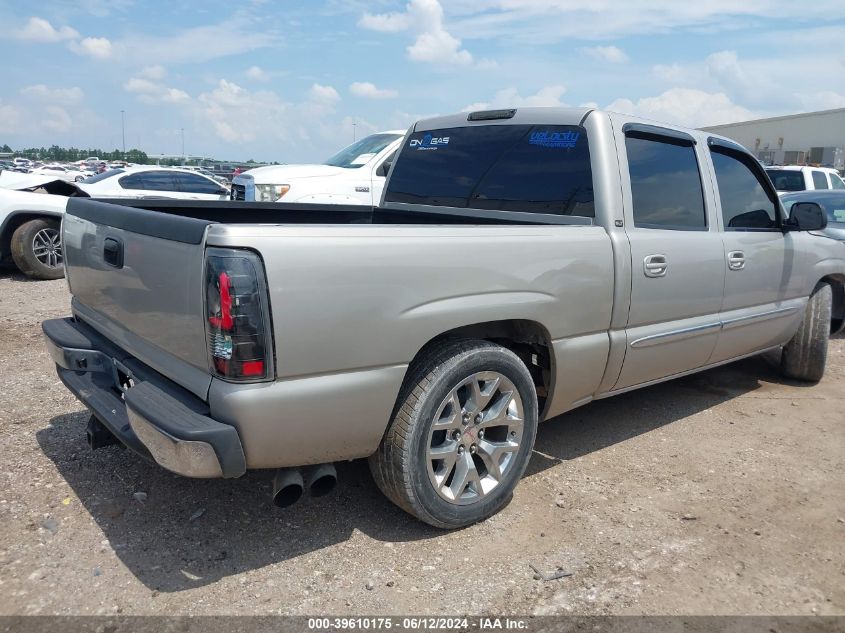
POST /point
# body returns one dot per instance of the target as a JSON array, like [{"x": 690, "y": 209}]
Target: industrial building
[{"x": 812, "y": 138}]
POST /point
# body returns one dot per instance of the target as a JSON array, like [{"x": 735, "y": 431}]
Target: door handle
[
  {"x": 736, "y": 260},
  {"x": 655, "y": 265}
]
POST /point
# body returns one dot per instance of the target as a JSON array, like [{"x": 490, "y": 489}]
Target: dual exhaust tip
[{"x": 290, "y": 484}]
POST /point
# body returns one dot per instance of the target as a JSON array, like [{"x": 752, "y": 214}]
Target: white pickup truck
[{"x": 355, "y": 175}]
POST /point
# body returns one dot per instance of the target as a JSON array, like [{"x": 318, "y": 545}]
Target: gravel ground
[{"x": 721, "y": 493}]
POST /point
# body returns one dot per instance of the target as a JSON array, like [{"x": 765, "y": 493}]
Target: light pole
[
  {"x": 182, "y": 130},
  {"x": 123, "y": 132},
  {"x": 353, "y": 130}
]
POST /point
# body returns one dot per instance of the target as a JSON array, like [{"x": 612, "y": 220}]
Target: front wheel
[
  {"x": 37, "y": 249},
  {"x": 461, "y": 435},
  {"x": 805, "y": 356}
]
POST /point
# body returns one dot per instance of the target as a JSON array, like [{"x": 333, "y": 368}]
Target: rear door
[
  {"x": 764, "y": 267},
  {"x": 676, "y": 255},
  {"x": 137, "y": 277}
]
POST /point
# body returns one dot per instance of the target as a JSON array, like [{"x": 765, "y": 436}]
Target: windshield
[
  {"x": 361, "y": 152},
  {"x": 103, "y": 176},
  {"x": 787, "y": 179}
]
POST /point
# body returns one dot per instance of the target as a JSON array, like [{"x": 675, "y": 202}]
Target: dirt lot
[{"x": 718, "y": 493}]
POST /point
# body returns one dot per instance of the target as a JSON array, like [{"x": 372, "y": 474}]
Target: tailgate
[{"x": 137, "y": 277}]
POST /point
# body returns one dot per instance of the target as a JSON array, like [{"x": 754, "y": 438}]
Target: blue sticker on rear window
[
  {"x": 429, "y": 142},
  {"x": 554, "y": 139}
]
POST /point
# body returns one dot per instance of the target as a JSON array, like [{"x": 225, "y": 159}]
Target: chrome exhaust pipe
[
  {"x": 320, "y": 479},
  {"x": 288, "y": 487}
]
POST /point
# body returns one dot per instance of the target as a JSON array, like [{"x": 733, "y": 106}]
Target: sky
[{"x": 293, "y": 81}]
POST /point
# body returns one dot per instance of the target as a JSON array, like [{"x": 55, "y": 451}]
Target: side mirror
[
  {"x": 806, "y": 216},
  {"x": 222, "y": 191},
  {"x": 384, "y": 168}
]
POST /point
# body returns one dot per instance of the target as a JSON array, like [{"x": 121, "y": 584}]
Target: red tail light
[{"x": 239, "y": 344}]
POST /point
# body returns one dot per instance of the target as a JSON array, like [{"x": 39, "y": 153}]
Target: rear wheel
[
  {"x": 461, "y": 436},
  {"x": 37, "y": 249},
  {"x": 805, "y": 356}
]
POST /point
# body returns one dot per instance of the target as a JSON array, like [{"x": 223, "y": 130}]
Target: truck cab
[{"x": 355, "y": 175}]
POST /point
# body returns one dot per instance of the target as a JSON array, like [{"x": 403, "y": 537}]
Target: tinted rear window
[
  {"x": 787, "y": 179},
  {"x": 665, "y": 183},
  {"x": 533, "y": 169}
]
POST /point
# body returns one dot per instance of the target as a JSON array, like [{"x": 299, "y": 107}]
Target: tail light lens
[{"x": 239, "y": 345}]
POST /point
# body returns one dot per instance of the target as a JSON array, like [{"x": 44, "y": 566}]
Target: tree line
[{"x": 71, "y": 154}]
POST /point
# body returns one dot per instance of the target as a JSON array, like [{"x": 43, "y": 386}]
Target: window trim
[
  {"x": 740, "y": 154},
  {"x": 669, "y": 137}
]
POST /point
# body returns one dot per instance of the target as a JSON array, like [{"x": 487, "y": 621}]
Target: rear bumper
[{"x": 145, "y": 411}]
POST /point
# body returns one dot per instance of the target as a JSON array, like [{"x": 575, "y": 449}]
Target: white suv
[{"x": 798, "y": 178}]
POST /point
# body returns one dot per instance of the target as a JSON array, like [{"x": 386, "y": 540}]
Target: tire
[
  {"x": 437, "y": 414},
  {"x": 37, "y": 249},
  {"x": 805, "y": 355}
]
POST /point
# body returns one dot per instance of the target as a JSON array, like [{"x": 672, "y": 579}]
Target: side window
[
  {"x": 665, "y": 183},
  {"x": 159, "y": 181},
  {"x": 191, "y": 183},
  {"x": 836, "y": 182},
  {"x": 819, "y": 180},
  {"x": 746, "y": 203},
  {"x": 384, "y": 168},
  {"x": 132, "y": 181}
]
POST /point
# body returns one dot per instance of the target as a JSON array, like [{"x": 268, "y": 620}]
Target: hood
[
  {"x": 31, "y": 182},
  {"x": 281, "y": 174},
  {"x": 836, "y": 231}
]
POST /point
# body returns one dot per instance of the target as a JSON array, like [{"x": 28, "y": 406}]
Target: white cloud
[
  {"x": 686, "y": 106},
  {"x": 326, "y": 95},
  {"x": 57, "y": 119},
  {"x": 368, "y": 90},
  {"x": 257, "y": 73},
  {"x": 610, "y": 54},
  {"x": 547, "y": 96},
  {"x": 198, "y": 44},
  {"x": 149, "y": 91},
  {"x": 66, "y": 95},
  {"x": 153, "y": 72},
  {"x": 10, "y": 119},
  {"x": 530, "y": 20},
  {"x": 40, "y": 30},
  {"x": 96, "y": 47},
  {"x": 433, "y": 44}
]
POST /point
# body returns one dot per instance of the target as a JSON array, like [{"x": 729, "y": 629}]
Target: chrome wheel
[
  {"x": 47, "y": 247},
  {"x": 474, "y": 437}
]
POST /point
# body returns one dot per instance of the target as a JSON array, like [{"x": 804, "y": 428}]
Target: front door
[
  {"x": 676, "y": 257},
  {"x": 764, "y": 277}
]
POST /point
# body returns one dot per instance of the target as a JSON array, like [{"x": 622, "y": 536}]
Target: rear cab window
[{"x": 539, "y": 169}]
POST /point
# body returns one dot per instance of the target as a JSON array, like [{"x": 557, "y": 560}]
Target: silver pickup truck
[{"x": 521, "y": 263}]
